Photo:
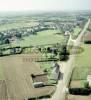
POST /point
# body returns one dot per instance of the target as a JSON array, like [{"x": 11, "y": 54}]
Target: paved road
[{"x": 67, "y": 70}]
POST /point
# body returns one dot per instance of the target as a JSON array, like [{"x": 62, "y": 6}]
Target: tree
[
  {"x": 18, "y": 35},
  {"x": 39, "y": 49},
  {"x": 63, "y": 55},
  {"x": 48, "y": 49},
  {"x": 6, "y": 41},
  {"x": 86, "y": 84}
]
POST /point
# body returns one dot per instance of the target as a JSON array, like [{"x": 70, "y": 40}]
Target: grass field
[
  {"x": 83, "y": 64},
  {"x": 42, "y": 38},
  {"x": 76, "y": 32},
  {"x": 17, "y": 24}
]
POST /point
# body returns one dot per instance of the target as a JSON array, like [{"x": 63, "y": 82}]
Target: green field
[
  {"x": 83, "y": 64},
  {"x": 46, "y": 66},
  {"x": 17, "y": 24},
  {"x": 76, "y": 32},
  {"x": 42, "y": 38}
]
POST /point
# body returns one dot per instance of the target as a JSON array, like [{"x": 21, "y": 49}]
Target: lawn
[
  {"x": 46, "y": 66},
  {"x": 83, "y": 64},
  {"x": 42, "y": 38}
]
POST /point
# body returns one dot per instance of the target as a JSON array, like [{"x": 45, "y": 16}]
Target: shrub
[
  {"x": 79, "y": 91},
  {"x": 86, "y": 84}
]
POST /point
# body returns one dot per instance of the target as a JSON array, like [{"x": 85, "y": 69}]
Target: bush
[
  {"x": 64, "y": 54},
  {"x": 45, "y": 70},
  {"x": 79, "y": 91},
  {"x": 86, "y": 84}
]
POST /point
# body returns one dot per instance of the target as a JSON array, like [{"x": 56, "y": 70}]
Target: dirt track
[{"x": 18, "y": 80}]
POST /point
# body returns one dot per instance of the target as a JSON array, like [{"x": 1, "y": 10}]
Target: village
[{"x": 8, "y": 36}]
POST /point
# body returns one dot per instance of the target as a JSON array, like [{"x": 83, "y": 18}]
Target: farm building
[
  {"x": 55, "y": 71},
  {"x": 39, "y": 80},
  {"x": 87, "y": 38},
  {"x": 67, "y": 33},
  {"x": 38, "y": 84}
]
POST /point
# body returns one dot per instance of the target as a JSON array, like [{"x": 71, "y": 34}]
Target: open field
[
  {"x": 17, "y": 24},
  {"x": 83, "y": 64},
  {"x": 42, "y": 38},
  {"x": 76, "y": 32},
  {"x": 76, "y": 97},
  {"x": 3, "y": 90},
  {"x": 77, "y": 84},
  {"x": 17, "y": 73}
]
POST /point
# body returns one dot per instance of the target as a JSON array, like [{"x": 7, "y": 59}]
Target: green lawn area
[
  {"x": 76, "y": 32},
  {"x": 83, "y": 64},
  {"x": 42, "y": 38},
  {"x": 46, "y": 66}
]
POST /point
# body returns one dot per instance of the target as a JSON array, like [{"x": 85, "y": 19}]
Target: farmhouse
[{"x": 67, "y": 33}]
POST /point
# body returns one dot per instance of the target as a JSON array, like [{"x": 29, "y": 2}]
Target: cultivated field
[
  {"x": 3, "y": 90},
  {"x": 75, "y": 97},
  {"x": 17, "y": 72}
]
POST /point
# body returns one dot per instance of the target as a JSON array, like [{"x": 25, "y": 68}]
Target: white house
[
  {"x": 67, "y": 33},
  {"x": 89, "y": 80}
]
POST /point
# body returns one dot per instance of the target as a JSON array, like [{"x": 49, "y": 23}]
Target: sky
[{"x": 44, "y": 5}]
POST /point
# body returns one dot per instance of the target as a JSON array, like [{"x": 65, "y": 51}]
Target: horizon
[{"x": 44, "y": 5}]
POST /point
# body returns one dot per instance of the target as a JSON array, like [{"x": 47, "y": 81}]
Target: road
[{"x": 66, "y": 68}]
